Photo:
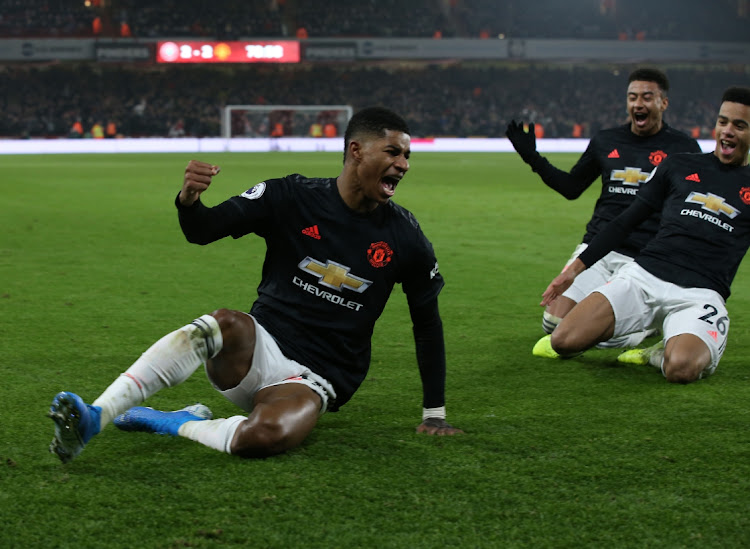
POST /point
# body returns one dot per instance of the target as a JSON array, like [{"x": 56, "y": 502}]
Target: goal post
[{"x": 284, "y": 120}]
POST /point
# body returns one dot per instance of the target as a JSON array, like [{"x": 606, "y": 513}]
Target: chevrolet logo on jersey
[
  {"x": 629, "y": 176},
  {"x": 713, "y": 203},
  {"x": 334, "y": 275}
]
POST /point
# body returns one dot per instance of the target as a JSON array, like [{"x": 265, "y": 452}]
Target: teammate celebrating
[
  {"x": 624, "y": 157},
  {"x": 681, "y": 279},
  {"x": 335, "y": 247}
]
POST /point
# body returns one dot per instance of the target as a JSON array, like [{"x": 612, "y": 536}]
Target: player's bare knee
[
  {"x": 260, "y": 437},
  {"x": 681, "y": 368},
  {"x": 681, "y": 375},
  {"x": 236, "y": 327},
  {"x": 229, "y": 367},
  {"x": 568, "y": 340},
  {"x": 561, "y": 341},
  {"x": 228, "y": 320}
]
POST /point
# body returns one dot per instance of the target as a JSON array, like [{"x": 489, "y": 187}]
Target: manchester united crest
[
  {"x": 379, "y": 254},
  {"x": 657, "y": 157},
  {"x": 745, "y": 194}
]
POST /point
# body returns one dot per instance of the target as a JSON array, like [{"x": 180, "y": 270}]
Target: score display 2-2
[{"x": 192, "y": 51}]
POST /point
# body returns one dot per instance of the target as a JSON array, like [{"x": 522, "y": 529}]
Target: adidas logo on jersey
[
  {"x": 312, "y": 232},
  {"x": 613, "y": 154},
  {"x": 693, "y": 177}
]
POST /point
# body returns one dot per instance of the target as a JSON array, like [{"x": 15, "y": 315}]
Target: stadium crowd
[
  {"x": 718, "y": 20},
  {"x": 441, "y": 99},
  {"x": 462, "y": 100}
]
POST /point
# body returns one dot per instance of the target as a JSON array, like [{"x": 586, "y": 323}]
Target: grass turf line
[{"x": 93, "y": 269}]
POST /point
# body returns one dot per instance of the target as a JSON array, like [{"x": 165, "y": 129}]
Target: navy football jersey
[
  {"x": 625, "y": 160},
  {"x": 705, "y": 221},
  {"x": 328, "y": 271}
]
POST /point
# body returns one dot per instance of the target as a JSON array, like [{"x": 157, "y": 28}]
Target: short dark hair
[
  {"x": 373, "y": 121},
  {"x": 646, "y": 74},
  {"x": 737, "y": 94}
]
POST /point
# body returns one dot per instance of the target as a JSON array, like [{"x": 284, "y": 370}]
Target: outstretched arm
[
  {"x": 562, "y": 281},
  {"x": 570, "y": 185},
  {"x": 612, "y": 235},
  {"x": 430, "y": 347}
]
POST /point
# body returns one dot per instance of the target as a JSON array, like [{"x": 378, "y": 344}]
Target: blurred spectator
[
  {"x": 76, "y": 130},
  {"x": 277, "y": 130},
  {"x": 140, "y": 108},
  {"x": 316, "y": 130},
  {"x": 96, "y": 26},
  {"x": 111, "y": 129},
  {"x": 177, "y": 129},
  {"x": 97, "y": 130},
  {"x": 329, "y": 130}
]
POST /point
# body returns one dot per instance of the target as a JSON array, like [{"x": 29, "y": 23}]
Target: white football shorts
[
  {"x": 641, "y": 301},
  {"x": 597, "y": 275},
  {"x": 270, "y": 367}
]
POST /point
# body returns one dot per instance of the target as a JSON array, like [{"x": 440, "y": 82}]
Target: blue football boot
[
  {"x": 75, "y": 423},
  {"x": 141, "y": 418}
]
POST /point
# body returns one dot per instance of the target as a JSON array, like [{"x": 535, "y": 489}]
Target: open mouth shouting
[
  {"x": 388, "y": 183},
  {"x": 727, "y": 151},
  {"x": 641, "y": 119},
  {"x": 727, "y": 147}
]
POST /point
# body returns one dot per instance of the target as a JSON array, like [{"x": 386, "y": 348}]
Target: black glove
[{"x": 524, "y": 143}]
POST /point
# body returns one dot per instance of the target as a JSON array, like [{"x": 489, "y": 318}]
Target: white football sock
[
  {"x": 168, "y": 362},
  {"x": 656, "y": 359},
  {"x": 550, "y": 322},
  {"x": 214, "y": 433}
]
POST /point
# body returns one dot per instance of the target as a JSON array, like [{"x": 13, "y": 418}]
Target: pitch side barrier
[{"x": 282, "y": 144}]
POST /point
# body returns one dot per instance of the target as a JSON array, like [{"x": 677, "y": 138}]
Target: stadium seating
[
  {"x": 718, "y": 20},
  {"x": 440, "y": 99}
]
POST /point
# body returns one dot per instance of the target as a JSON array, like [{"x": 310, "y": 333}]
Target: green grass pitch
[{"x": 577, "y": 453}]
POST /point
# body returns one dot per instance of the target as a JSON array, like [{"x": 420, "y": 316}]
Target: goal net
[{"x": 285, "y": 120}]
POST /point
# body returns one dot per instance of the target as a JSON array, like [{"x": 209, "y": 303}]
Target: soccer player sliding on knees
[{"x": 335, "y": 248}]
